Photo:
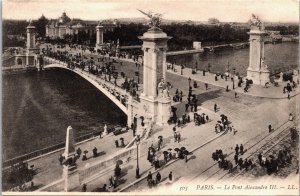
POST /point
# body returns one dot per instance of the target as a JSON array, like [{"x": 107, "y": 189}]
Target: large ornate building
[{"x": 57, "y": 28}]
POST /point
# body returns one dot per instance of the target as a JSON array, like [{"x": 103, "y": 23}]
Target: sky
[{"x": 195, "y": 10}]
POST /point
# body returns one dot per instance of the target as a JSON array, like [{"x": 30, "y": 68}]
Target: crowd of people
[
  {"x": 178, "y": 96},
  {"x": 289, "y": 88},
  {"x": 224, "y": 125},
  {"x": 275, "y": 161},
  {"x": 223, "y": 163},
  {"x": 153, "y": 182},
  {"x": 108, "y": 70}
]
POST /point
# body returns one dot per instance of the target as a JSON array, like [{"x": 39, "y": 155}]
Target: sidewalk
[
  {"x": 49, "y": 169},
  {"x": 255, "y": 90},
  {"x": 192, "y": 137}
]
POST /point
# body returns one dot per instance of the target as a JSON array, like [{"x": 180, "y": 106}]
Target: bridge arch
[{"x": 102, "y": 86}]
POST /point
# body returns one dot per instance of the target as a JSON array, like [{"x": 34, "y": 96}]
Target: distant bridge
[{"x": 236, "y": 46}]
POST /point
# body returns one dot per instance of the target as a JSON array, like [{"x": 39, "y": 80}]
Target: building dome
[{"x": 64, "y": 18}]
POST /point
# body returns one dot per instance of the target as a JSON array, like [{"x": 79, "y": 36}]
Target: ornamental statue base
[
  {"x": 71, "y": 177},
  {"x": 259, "y": 77},
  {"x": 98, "y": 46},
  {"x": 159, "y": 108},
  {"x": 164, "y": 111}
]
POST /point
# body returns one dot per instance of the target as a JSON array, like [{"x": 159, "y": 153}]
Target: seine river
[
  {"x": 276, "y": 56},
  {"x": 38, "y": 106}
]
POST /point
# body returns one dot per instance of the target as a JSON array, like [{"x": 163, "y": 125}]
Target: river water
[
  {"x": 276, "y": 56},
  {"x": 38, "y": 106}
]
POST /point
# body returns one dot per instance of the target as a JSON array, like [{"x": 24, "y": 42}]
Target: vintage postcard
[{"x": 139, "y": 97}]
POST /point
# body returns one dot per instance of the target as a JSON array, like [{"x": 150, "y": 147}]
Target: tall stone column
[
  {"x": 30, "y": 44},
  {"x": 155, "y": 104},
  {"x": 30, "y": 30},
  {"x": 70, "y": 172},
  {"x": 99, "y": 36},
  {"x": 257, "y": 71}
]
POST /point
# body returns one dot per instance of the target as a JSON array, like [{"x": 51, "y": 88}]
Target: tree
[
  {"x": 213, "y": 21},
  {"x": 40, "y": 26}
]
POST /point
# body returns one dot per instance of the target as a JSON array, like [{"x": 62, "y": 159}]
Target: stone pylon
[
  {"x": 99, "y": 36},
  {"x": 70, "y": 143},
  {"x": 31, "y": 45},
  {"x": 155, "y": 104},
  {"x": 70, "y": 172},
  {"x": 257, "y": 71}
]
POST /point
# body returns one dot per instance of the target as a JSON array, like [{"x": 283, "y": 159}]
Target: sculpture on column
[
  {"x": 155, "y": 19},
  {"x": 264, "y": 65},
  {"x": 255, "y": 22},
  {"x": 163, "y": 90}
]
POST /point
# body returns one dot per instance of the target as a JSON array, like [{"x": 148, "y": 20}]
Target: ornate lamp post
[
  {"x": 137, "y": 141},
  {"x": 138, "y": 73}
]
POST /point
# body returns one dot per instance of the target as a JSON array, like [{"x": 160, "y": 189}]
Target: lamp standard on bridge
[
  {"x": 137, "y": 171},
  {"x": 139, "y": 73}
]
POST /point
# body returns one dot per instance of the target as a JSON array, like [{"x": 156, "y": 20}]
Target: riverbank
[{"x": 14, "y": 68}]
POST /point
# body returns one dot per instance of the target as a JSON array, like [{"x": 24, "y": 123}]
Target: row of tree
[{"x": 183, "y": 34}]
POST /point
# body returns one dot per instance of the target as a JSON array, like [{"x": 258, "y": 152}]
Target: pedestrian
[
  {"x": 104, "y": 189},
  {"x": 61, "y": 159},
  {"x": 291, "y": 118},
  {"x": 192, "y": 108},
  {"x": 84, "y": 187},
  {"x": 236, "y": 158},
  {"x": 117, "y": 143},
  {"x": 114, "y": 181},
  {"x": 246, "y": 164},
  {"x": 95, "y": 153},
  {"x": 237, "y": 149},
  {"x": 175, "y": 136},
  {"x": 235, "y": 94},
  {"x": 240, "y": 162},
  {"x": 206, "y": 86},
  {"x": 270, "y": 128},
  {"x": 158, "y": 177},
  {"x": 260, "y": 158},
  {"x": 227, "y": 88},
  {"x": 149, "y": 177},
  {"x": 241, "y": 149},
  {"x": 111, "y": 184},
  {"x": 178, "y": 137},
  {"x": 215, "y": 107},
  {"x": 187, "y": 107},
  {"x": 170, "y": 176}
]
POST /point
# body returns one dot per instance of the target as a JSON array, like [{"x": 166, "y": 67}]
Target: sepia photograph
[{"x": 150, "y": 97}]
